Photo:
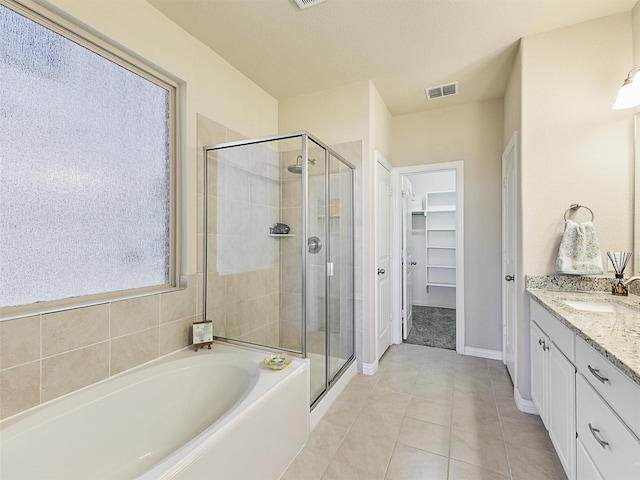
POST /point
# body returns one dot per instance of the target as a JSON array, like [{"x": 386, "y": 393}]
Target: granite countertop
[{"x": 614, "y": 335}]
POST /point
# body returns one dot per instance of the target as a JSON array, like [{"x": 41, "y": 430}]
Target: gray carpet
[{"x": 433, "y": 327}]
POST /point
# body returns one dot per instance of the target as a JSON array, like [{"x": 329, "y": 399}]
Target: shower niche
[{"x": 289, "y": 289}]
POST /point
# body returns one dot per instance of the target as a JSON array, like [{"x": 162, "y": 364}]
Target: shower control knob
[{"x": 381, "y": 271}]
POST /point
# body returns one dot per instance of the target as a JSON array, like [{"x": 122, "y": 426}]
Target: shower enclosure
[{"x": 279, "y": 250}]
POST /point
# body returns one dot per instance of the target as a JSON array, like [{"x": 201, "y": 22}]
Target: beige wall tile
[
  {"x": 73, "y": 370},
  {"x": 64, "y": 331},
  {"x": 19, "y": 341},
  {"x": 175, "y": 335},
  {"x": 133, "y": 315},
  {"x": 133, "y": 350},
  {"x": 20, "y": 388},
  {"x": 180, "y": 304}
]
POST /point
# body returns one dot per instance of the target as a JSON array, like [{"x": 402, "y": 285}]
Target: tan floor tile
[
  {"x": 437, "y": 374},
  {"x": 478, "y": 450},
  {"x": 465, "y": 471},
  {"x": 526, "y": 434},
  {"x": 413, "y": 464},
  {"x": 341, "y": 471},
  {"x": 356, "y": 393},
  {"x": 434, "y": 392},
  {"x": 307, "y": 465},
  {"x": 425, "y": 436},
  {"x": 428, "y": 411},
  {"x": 384, "y": 402},
  {"x": 400, "y": 382},
  {"x": 325, "y": 439},
  {"x": 507, "y": 408},
  {"x": 342, "y": 413},
  {"x": 529, "y": 464},
  {"x": 370, "y": 454},
  {"x": 367, "y": 380},
  {"x": 473, "y": 410},
  {"x": 373, "y": 423},
  {"x": 477, "y": 386}
]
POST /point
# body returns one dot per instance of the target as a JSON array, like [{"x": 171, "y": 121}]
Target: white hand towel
[{"x": 579, "y": 252}]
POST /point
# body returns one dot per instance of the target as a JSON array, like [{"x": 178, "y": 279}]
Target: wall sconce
[{"x": 629, "y": 93}]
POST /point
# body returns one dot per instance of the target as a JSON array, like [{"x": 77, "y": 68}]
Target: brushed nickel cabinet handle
[
  {"x": 381, "y": 271},
  {"x": 596, "y": 373},
  {"x": 597, "y": 437},
  {"x": 509, "y": 278}
]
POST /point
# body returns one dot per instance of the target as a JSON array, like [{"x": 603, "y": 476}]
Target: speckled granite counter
[{"x": 614, "y": 335}]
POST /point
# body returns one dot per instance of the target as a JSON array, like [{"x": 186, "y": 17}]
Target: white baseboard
[
  {"x": 483, "y": 353},
  {"x": 526, "y": 406},
  {"x": 370, "y": 368},
  {"x": 336, "y": 389}
]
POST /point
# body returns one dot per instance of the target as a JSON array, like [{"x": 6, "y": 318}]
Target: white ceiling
[{"x": 402, "y": 45}]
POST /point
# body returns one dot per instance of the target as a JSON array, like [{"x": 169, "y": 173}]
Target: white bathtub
[{"x": 209, "y": 414}]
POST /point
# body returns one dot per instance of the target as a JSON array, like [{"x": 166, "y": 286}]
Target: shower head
[{"x": 297, "y": 168}]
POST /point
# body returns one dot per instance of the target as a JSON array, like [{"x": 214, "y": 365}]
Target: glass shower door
[
  {"x": 316, "y": 264},
  {"x": 341, "y": 266}
]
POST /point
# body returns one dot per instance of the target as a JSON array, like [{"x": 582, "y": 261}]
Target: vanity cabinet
[
  {"x": 590, "y": 408},
  {"x": 607, "y": 415},
  {"x": 553, "y": 383}
]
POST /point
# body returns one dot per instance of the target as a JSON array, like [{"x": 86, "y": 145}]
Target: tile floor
[{"x": 427, "y": 414}]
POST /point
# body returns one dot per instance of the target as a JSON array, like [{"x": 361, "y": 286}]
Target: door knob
[
  {"x": 509, "y": 278},
  {"x": 381, "y": 271}
]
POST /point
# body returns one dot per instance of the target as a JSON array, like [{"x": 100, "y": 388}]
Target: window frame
[{"x": 87, "y": 37}]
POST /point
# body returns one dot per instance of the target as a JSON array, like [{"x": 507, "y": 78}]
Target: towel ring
[{"x": 574, "y": 207}]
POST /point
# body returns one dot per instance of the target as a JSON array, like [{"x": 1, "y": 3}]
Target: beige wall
[
  {"x": 574, "y": 147},
  {"x": 45, "y": 356},
  {"x": 472, "y": 133}
]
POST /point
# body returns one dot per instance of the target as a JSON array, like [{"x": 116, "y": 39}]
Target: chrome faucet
[{"x": 629, "y": 280}]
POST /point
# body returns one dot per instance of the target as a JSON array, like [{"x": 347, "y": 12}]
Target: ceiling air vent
[
  {"x": 442, "y": 91},
  {"x": 308, "y": 3}
]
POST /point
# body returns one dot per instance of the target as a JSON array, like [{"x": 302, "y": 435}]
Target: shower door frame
[{"x": 329, "y": 152}]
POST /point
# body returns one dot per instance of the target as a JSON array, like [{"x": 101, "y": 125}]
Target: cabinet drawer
[
  {"x": 561, "y": 335},
  {"x": 586, "y": 468},
  {"x": 619, "y": 391},
  {"x": 619, "y": 457}
]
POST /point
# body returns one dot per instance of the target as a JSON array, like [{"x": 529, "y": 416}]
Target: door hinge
[
  {"x": 402, "y": 313},
  {"x": 329, "y": 269}
]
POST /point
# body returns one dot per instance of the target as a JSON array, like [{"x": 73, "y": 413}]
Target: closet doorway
[{"x": 432, "y": 307}]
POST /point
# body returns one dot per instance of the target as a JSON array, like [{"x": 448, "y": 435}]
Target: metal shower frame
[{"x": 328, "y": 152}]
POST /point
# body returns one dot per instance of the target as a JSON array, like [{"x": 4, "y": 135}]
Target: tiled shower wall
[
  {"x": 45, "y": 356},
  {"x": 243, "y": 272}
]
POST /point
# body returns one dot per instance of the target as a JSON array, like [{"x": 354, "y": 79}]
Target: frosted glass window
[{"x": 85, "y": 170}]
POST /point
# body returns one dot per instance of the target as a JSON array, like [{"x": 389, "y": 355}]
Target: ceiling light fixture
[
  {"x": 308, "y": 3},
  {"x": 629, "y": 93}
]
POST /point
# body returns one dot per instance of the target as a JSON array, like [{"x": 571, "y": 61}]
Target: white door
[
  {"x": 407, "y": 259},
  {"x": 509, "y": 255},
  {"x": 383, "y": 269}
]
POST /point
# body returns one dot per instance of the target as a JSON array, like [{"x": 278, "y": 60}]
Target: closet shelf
[{"x": 444, "y": 208}]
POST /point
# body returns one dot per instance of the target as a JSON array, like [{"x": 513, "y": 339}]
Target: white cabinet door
[
  {"x": 561, "y": 408},
  {"x": 539, "y": 342}
]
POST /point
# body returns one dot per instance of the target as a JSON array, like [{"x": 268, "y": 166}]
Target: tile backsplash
[{"x": 45, "y": 356}]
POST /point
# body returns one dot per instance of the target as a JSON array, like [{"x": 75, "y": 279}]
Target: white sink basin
[{"x": 600, "y": 307}]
